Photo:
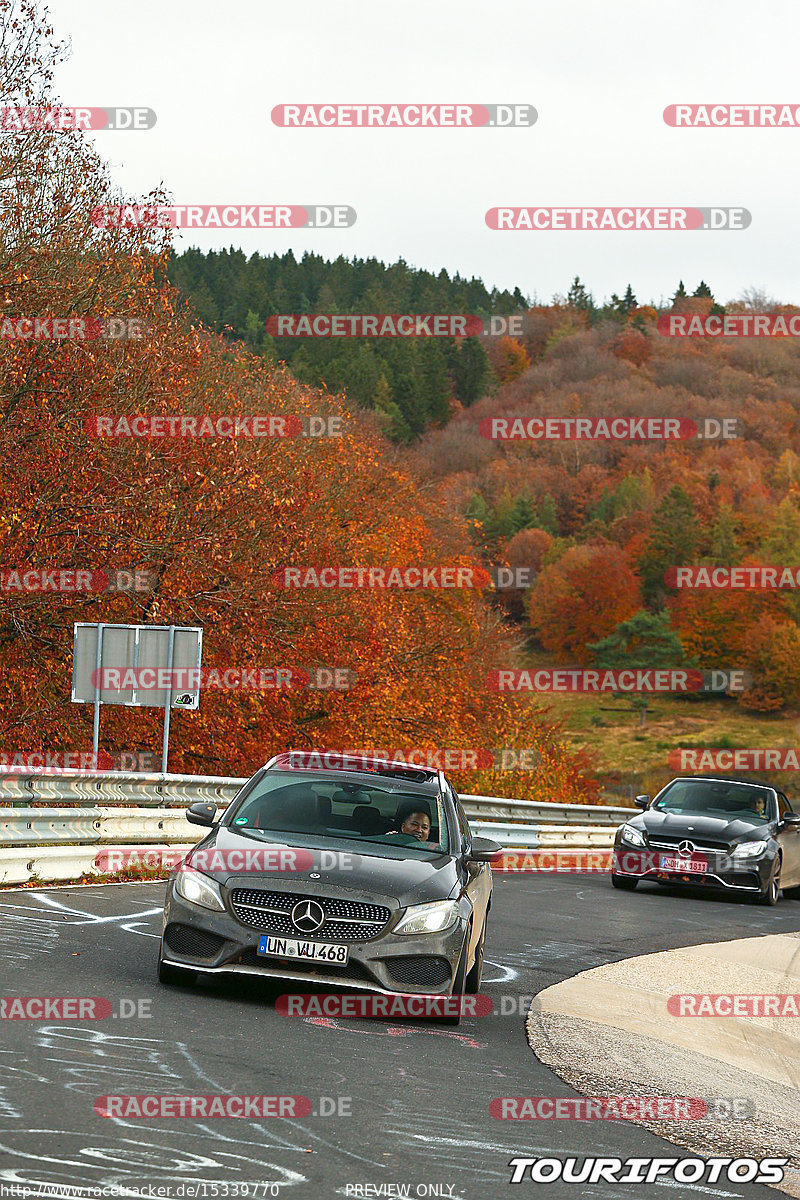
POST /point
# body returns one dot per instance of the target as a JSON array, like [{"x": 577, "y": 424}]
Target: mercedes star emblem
[
  {"x": 686, "y": 848},
  {"x": 307, "y": 916},
  {"x": 314, "y": 875}
]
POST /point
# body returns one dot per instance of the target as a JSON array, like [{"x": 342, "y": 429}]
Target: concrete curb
[{"x": 608, "y": 1031}]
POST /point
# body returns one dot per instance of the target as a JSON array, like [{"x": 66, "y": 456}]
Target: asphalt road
[{"x": 418, "y": 1093}]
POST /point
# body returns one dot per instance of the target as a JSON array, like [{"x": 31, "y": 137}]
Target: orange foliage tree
[
  {"x": 212, "y": 518},
  {"x": 582, "y": 598}
]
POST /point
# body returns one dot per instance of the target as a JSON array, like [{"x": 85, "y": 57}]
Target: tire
[
  {"x": 175, "y": 976},
  {"x": 472, "y": 984},
  {"x": 623, "y": 882},
  {"x": 458, "y": 987},
  {"x": 772, "y": 891}
]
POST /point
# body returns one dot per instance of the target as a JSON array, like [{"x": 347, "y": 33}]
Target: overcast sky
[{"x": 599, "y": 75}]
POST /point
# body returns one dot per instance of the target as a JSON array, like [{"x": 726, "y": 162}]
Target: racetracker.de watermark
[
  {"x": 738, "y": 325},
  {"x": 402, "y": 1004},
  {"x": 223, "y": 216},
  {"x": 72, "y": 1008},
  {"x": 207, "y": 860},
  {"x": 78, "y": 329},
  {"x": 75, "y": 579},
  {"x": 621, "y": 219},
  {"x": 55, "y": 762},
  {"x": 33, "y": 117},
  {"x": 754, "y": 578},
  {"x": 620, "y": 1108},
  {"x": 508, "y": 758},
  {"x": 558, "y": 862},
  {"x": 403, "y": 116},
  {"x": 158, "y": 426},
  {"x": 230, "y": 679},
  {"x": 753, "y": 759},
  {"x": 202, "y": 1107},
  {"x": 407, "y": 578},
  {"x": 614, "y": 429},
  {"x": 732, "y": 116},
  {"x": 630, "y": 679},
  {"x": 394, "y": 325},
  {"x": 732, "y": 1004}
]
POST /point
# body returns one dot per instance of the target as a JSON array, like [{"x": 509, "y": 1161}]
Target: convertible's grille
[
  {"x": 345, "y": 920},
  {"x": 670, "y": 842}
]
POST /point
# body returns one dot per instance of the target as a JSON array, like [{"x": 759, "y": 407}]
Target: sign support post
[
  {"x": 97, "y": 690},
  {"x": 168, "y": 701}
]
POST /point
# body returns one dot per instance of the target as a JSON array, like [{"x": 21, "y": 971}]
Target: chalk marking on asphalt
[
  {"x": 92, "y": 918},
  {"x": 142, "y": 932},
  {"x": 308, "y": 1133},
  {"x": 509, "y": 972},
  {"x": 158, "y": 1156},
  {"x": 270, "y": 1133}
]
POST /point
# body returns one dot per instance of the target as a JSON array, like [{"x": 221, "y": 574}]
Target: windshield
[
  {"x": 717, "y": 798},
  {"x": 387, "y": 812}
]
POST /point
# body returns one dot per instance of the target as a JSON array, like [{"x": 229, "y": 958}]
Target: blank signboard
[{"x": 141, "y": 651}]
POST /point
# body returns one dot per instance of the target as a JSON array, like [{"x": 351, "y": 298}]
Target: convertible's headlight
[
  {"x": 632, "y": 836},
  {"x": 428, "y": 918},
  {"x": 198, "y": 889},
  {"x": 749, "y": 849}
]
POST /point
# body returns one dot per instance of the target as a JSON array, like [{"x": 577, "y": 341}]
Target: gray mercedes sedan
[{"x": 364, "y": 878}]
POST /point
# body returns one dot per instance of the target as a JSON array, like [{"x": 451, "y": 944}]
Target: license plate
[
  {"x": 279, "y": 947},
  {"x": 684, "y": 866}
]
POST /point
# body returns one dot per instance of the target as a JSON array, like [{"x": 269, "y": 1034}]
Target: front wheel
[
  {"x": 459, "y": 984},
  {"x": 771, "y": 893},
  {"x": 472, "y": 984},
  {"x": 624, "y": 883}
]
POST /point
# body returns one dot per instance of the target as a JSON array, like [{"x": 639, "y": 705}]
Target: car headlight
[
  {"x": 198, "y": 889},
  {"x": 632, "y": 836},
  {"x": 428, "y": 918},
  {"x": 749, "y": 849}
]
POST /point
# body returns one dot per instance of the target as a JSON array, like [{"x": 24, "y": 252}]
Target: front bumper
[
  {"x": 217, "y": 943},
  {"x": 723, "y": 872}
]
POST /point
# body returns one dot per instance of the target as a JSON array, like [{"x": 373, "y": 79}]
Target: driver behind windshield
[
  {"x": 418, "y": 825},
  {"x": 414, "y": 819}
]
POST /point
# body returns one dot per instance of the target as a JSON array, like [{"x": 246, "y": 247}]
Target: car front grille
[
  {"x": 665, "y": 842},
  {"x": 345, "y": 920}
]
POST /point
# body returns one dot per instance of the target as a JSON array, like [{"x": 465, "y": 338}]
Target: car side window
[{"x": 784, "y": 806}]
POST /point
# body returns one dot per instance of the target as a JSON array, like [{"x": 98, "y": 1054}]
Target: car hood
[
  {"x": 700, "y": 828},
  {"x": 393, "y": 880}
]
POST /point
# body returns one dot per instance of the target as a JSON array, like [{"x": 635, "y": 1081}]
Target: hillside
[{"x": 600, "y": 523}]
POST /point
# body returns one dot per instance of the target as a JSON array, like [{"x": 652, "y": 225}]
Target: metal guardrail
[
  {"x": 51, "y": 827},
  {"x": 114, "y": 787}
]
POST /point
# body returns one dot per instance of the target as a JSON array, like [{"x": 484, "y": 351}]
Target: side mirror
[
  {"x": 201, "y": 814},
  {"x": 483, "y": 850},
  {"x": 789, "y": 819},
  {"x": 641, "y": 801}
]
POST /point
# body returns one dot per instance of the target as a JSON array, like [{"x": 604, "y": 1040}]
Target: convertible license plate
[
  {"x": 685, "y": 866},
  {"x": 279, "y": 947}
]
